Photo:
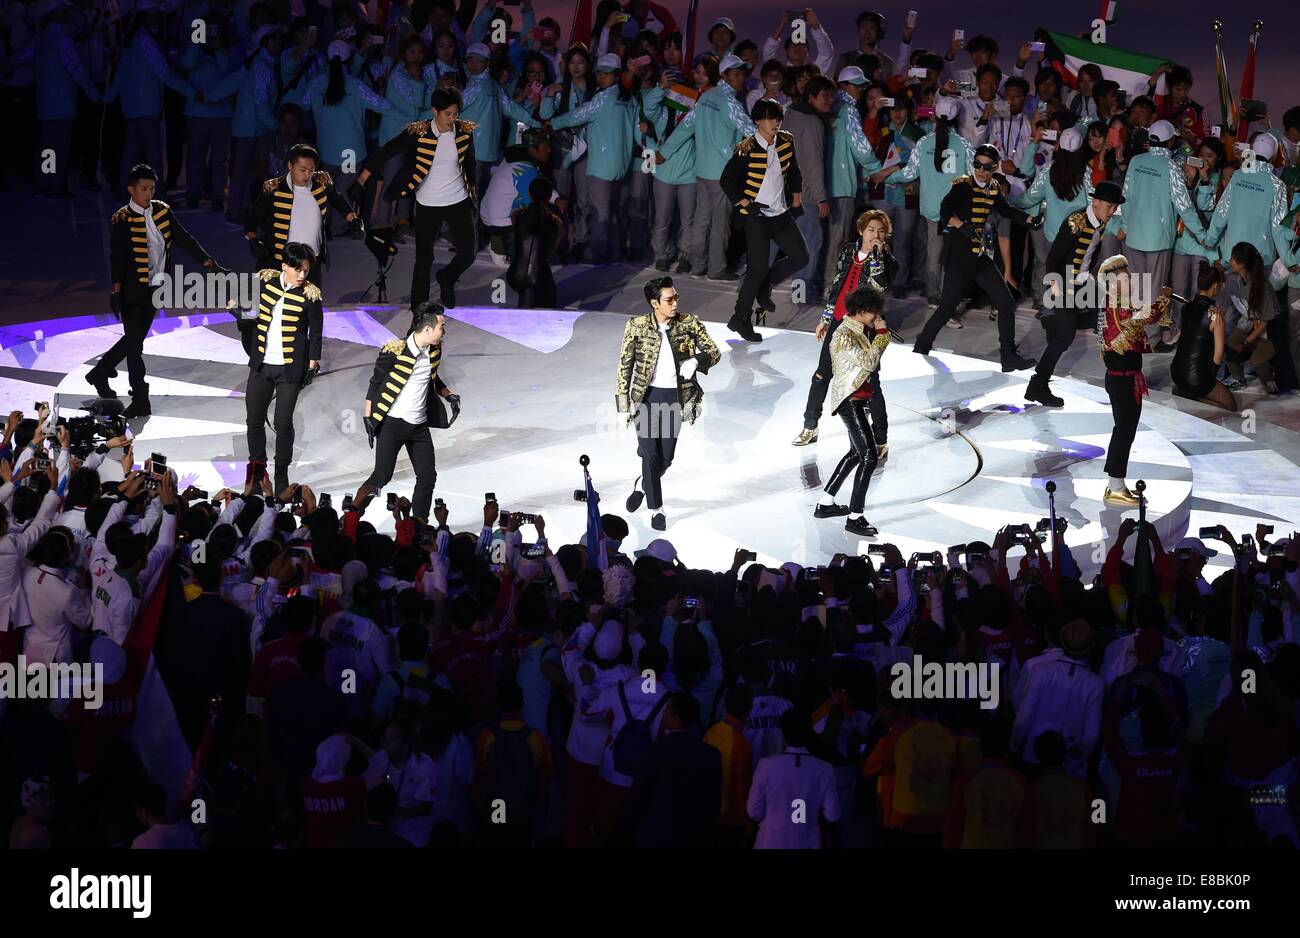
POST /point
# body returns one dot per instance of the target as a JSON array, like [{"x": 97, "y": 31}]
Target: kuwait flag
[
  {"x": 1130, "y": 70},
  {"x": 681, "y": 97}
]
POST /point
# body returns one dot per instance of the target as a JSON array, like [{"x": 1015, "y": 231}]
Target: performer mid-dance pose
[
  {"x": 1123, "y": 343},
  {"x": 855, "y": 357},
  {"x": 662, "y": 352}
]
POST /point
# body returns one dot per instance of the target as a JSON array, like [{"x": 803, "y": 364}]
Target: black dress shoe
[
  {"x": 634, "y": 500},
  {"x": 1017, "y": 362},
  {"x": 99, "y": 381},
  {"x": 683, "y": 266},
  {"x": 1040, "y": 392},
  {"x": 659, "y": 522},
  {"x": 830, "y": 511},
  {"x": 662, "y": 264},
  {"x": 742, "y": 327},
  {"x": 447, "y": 294},
  {"x": 139, "y": 407},
  {"x": 921, "y": 349},
  {"x": 726, "y": 275},
  {"x": 860, "y": 526}
]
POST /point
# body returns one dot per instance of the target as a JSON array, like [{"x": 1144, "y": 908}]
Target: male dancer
[
  {"x": 763, "y": 183},
  {"x": 656, "y": 385},
  {"x": 399, "y": 412},
  {"x": 968, "y": 219},
  {"x": 1069, "y": 300},
  {"x": 284, "y": 354},
  {"x": 140, "y": 245}
]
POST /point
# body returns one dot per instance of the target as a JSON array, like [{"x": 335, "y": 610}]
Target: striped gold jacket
[
  {"x": 417, "y": 146},
  {"x": 271, "y": 212},
  {"x": 855, "y": 357},
  {"x": 129, "y": 247},
  {"x": 392, "y": 371},
  {"x": 300, "y": 328},
  {"x": 639, "y": 354}
]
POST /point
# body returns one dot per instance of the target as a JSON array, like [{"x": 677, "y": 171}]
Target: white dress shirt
[
  {"x": 665, "y": 375},
  {"x": 157, "y": 246},
  {"x": 772, "y": 192},
  {"x": 414, "y": 397},
  {"x": 1082, "y": 273},
  {"x": 275, "y": 331},
  {"x": 443, "y": 185},
  {"x": 304, "y": 218}
]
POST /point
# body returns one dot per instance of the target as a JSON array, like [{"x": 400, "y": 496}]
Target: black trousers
[
  {"x": 393, "y": 435},
  {"x": 821, "y": 383},
  {"x": 137, "y": 317},
  {"x": 265, "y": 381},
  {"x": 658, "y": 423},
  {"x": 958, "y": 278},
  {"x": 428, "y": 221},
  {"x": 1062, "y": 325},
  {"x": 1127, "y": 409},
  {"x": 860, "y": 459},
  {"x": 792, "y": 254}
]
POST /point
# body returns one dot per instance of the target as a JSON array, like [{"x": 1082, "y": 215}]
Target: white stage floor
[{"x": 966, "y": 457}]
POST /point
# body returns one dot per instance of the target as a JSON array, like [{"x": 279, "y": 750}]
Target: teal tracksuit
[
  {"x": 1156, "y": 196},
  {"x": 679, "y": 169},
  {"x": 211, "y": 74},
  {"x": 848, "y": 149},
  {"x": 717, "y": 123},
  {"x": 340, "y": 128},
  {"x": 486, "y": 103},
  {"x": 611, "y": 128},
  {"x": 59, "y": 73},
  {"x": 1203, "y": 199},
  {"x": 1055, "y": 209},
  {"x": 140, "y": 77},
  {"x": 1250, "y": 208},
  {"x": 409, "y": 98},
  {"x": 255, "y": 104},
  {"x": 935, "y": 184}
]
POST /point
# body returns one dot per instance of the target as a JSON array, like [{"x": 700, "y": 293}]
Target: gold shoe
[
  {"x": 805, "y": 437},
  {"x": 1124, "y": 499}
]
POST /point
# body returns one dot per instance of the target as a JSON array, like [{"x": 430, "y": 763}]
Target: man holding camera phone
[{"x": 399, "y": 408}]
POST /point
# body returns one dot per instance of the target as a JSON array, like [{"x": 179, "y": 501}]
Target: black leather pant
[
  {"x": 821, "y": 384},
  {"x": 862, "y": 456}
]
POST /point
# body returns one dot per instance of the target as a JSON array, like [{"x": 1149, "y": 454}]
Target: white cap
[
  {"x": 609, "y": 640},
  {"x": 730, "y": 61},
  {"x": 1197, "y": 545},
  {"x": 1161, "y": 130},
  {"x": 338, "y": 49},
  {"x": 947, "y": 108},
  {"x": 852, "y": 74},
  {"x": 478, "y": 49},
  {"x": 660, "y": 549},
  {"x": 609, "y": 62},
  {"x": 263, "y": 31},
  {"x": 724, "y": 21},
  {"x": 354, "y": 571},
  {"x": 1070, "y": 140},
  {"x": 1265, "y": 146}
]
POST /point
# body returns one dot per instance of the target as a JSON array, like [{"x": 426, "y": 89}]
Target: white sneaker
[
  {"x": 498, "y": 260},
  {"x": 955, "y": 324}
]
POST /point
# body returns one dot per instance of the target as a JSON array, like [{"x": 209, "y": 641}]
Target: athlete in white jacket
[
  {"x": 1059, "y": 691},
  {"x": 14, "y": 547},
  {"x": 124, "y": 579}
]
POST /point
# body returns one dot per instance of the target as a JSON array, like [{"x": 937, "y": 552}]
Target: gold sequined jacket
[
  {"x": 639, "y": 354},
  {"x": 855, "y": 356}
]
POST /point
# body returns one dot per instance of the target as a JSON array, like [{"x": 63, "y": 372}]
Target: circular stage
[{"x": 537, "y": 386}]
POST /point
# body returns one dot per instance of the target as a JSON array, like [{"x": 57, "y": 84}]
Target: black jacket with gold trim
[
  {"x": 639, "y": 354},
  {"x": 392, "y": 371},
  {"x": 269, "y": 216},
  {"x": 301, "y": 324},
  {"x": 979, "y": 211},
  {"x": 128, "y": 242},
  {"x": 742, "y": 177},
  {"x": 417, "y": 145}
]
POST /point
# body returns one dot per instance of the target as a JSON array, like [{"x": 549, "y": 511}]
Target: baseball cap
[
  {"x": 1265, "y": 146},
  {"x": 609, "y": 62},
  {"x": 723, "y": 21},
  {"x": 478, "y": 50},
  {"x": 660, "y": 549},
  {"x": 1196, "y": 545},
  {"x": 730, "y": 61},
  {"x": 1162, "y": 131},
  {"x": 1070, "y": 140},
  {"x": 945, "y": 107},
  {"x": 852, "y": 74}
]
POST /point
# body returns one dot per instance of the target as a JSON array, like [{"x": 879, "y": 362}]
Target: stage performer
[
  {"x": 1124, "y": 340},
  {"x": 657, "y": 386}
]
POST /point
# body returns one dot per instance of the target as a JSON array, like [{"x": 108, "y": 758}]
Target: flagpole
[
  {"x": 1227, "y": 108},
  {"x": 1248, "y": 71}
]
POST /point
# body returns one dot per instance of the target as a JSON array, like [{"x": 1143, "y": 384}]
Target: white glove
[{"x": 688, "y": 368}]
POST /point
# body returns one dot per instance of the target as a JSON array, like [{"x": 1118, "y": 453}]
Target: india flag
[
  {"x": 1130, "y": 70},
  {"x": 681, "y": 97}
]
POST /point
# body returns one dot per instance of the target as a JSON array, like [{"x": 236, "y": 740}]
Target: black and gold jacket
[
  {"x": 392, "y": 371},
  {"x": 1070, "y": 245},
  {"x": 742, "y": 177},
  {"x": 269, "y": 216},
  {"x": 417, "y": 146},
  {"x": 129, "y": 247},
  {"x": 979, "y": 210},
  {"x": 301, "y": 324},
  {"x": 639, "y": 354}
]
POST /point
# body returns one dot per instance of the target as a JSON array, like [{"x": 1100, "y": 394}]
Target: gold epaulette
[
  {"x": 120, "y": 214},
  {"x": 467, "y": 126},
  {"x": 268, "y": 274},
  {"x": 160, "y": 203},
  {"x": 743, "y": 148},
  {"x": 789, "y": 137},
  {"x": 1076, "y": 221},
  {"x": 270, "y": 184},
  {"x": 393, "y": 346},
  {"x": 322, "y": 178},
  {"x": 963, "y": 181},
  {"x": 311, "y": 291},
  {"x": 417, "y": 127}
]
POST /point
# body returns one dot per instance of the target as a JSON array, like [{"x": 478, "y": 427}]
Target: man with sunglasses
[{"x": 968, "y": 221}]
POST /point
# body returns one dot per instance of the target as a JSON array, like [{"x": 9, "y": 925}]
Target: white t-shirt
[
  {"x": 412, "y": 399},
  {"x": 772, "y": 192},
  {"x": 274, "y": 354},
  {"x": 665, "y": 375},
  {"x": 443, "y": 185},
  {"x": 304, "y": 218}
]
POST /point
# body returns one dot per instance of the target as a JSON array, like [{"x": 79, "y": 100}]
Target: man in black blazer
[{"x": 763, "y": 183}]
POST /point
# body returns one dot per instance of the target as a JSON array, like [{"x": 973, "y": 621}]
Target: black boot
[
  {"x": 1040, "y": 392},
  {"x": 740, "y": 324},
  {"x": 1012, "y": 360},
  {"x": 99, "y": 381},
  {"x": 139, "y": 406},
  {"x": 447, "y": 295}
]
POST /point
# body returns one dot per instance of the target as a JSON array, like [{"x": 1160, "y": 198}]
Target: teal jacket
[
  {"x": 312, "y": 65},
  {"x": 1203, "y": 199},
  {"x": 140, "y": 77},
  {"x": 340, "y": 129},
  {"x": 486, "y": 103},
  {"x": 564, "y": 142},
  {"x": 896, "y": 195},
  {"x": 59, "y": 73},
  {"x": 1055, "y": 210},
  {"x": 717, "y": 123},
  {"x": 1288, "y": 251},
  {"x": 611, "y": 129},
  {"x": 255, "y": 103},
  {"x": 678, "y": 169},
  {"x": 409, "y": 98},
  {"x": 1156, "y": 196},
  {"x": 935, "y": 184},
  {"x": 848, "y": 149},
  {"x": 1250, "y": 208},
  {"x": 210, "y": 73}
]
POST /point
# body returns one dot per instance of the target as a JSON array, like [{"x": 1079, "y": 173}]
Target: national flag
[
  {"x": 1130, "y": 70},
  {"x": 1227, "y": 107},
  {"x": 1247, "y": 83},
  {"x": 681, "y": 97},
  {"x": 580, "y": 31},
  {"x": 688, "y": 32},
  {"x": 1109, "y": 11},
  {"x": 595, "y": 527},
  {"x": 198, "y": 765}
]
